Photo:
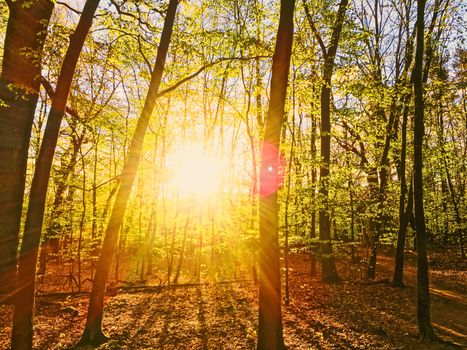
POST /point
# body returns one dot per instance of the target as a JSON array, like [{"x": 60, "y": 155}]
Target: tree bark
[
  {"x": 405, "y": 215},
  {"x": 19, "y": 90},
  {"x": 24, "y": 301},
  {"x": 314, "y": 175},
  {"x": 328, "y": 267},
  {"x": 380, "y": 221},
  {"x": 182, "y": 252},
  {"x": 93, "y": 333},
  {"x": 455, "y": 203},
  {"x": 270, "y": 319},
  {"x": 425, "y": 327}
]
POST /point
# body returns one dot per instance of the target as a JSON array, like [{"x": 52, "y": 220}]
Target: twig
[{"x": 69, "y": 7}]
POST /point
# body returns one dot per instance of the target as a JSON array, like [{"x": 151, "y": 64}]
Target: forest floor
[{"x": 351, "y": 314}]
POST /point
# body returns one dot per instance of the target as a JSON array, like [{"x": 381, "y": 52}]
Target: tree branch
[
  {"x": 203, "y": 68},
  {"x": 131, "y": 15},
  {"x": 360, "y": 153},
  {"x": 69, "y": 7},
  {"x": 313, "y": 28},
  {"x": 351, "y": 148},
  {"x": 51, "y": 92},
  {"x": 140, "y": 49},
  {"x": 336, "y": 31}
]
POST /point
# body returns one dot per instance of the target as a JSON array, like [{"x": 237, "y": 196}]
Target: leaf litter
[{"x": 351, "y": 314}]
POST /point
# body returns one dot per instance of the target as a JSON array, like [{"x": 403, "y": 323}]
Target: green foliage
[{"x": 221, "y": 108}]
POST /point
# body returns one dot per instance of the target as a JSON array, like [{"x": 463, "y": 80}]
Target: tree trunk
[
  {"x": 93, "y": 330},
  {"x": 404, "y": 219},
  {"x": 314, "y": 175},
  {"x": 286, "y": 218},
  {"x": 200, "y": 248},
  {"x": 425, "y": 328},
  {"x": 55, "y": 226},
  {"x": 24, "y": 303},
  {"x": 19, "y": 89},
  {"x": 170, "y": 252},
  {"x": 380, "y": 221},
  {"x": 182, "y": 252},
  {"x": 459, "y": 229},
  {"x": 328, "y": 268},
  {"x": 405, "y": 214},
  {"x": 270, "y": 319}
]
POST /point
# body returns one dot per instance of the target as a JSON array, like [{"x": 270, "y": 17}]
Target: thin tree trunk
[
  {"x": 455, "y": 204},
  {"x": 55, "y": 226},
  {"x": 171, "y": 252},
  {"x": 120, "y": 243},
  {"x": 425, "y": 327},
  {"x": 152, "y": 227},
  {"x": 200, "y": 249},
  {"x": 287, "y": 227},
  {"x": 314, "y": 176},
  {"x": 381, "y": 220},
  {"x": 405, "y": 215},
  {"x": 82, "y": 220},
  {"x": 350, "y": 184},
  {"x": 143, "y": 243},
  {"x": 152, "y": 235},
  {"x": 213, "y": 261},
  {"x": 93, "y": 333},
  {"x": 94, "y": 196},
  {"x": 328, "y": 267},
  {"x": 182, "y": 252},
  {"x": 270, "y": 335},
  {"x": 290, "y": 165}
]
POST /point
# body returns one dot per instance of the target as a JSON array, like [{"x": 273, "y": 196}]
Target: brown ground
[{"x": 352, "y": 314}]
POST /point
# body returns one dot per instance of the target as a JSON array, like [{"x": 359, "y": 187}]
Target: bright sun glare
[{"x": 195, "y": 171}]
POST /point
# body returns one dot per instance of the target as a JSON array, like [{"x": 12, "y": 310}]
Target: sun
[{"x": 195, "y": 171}]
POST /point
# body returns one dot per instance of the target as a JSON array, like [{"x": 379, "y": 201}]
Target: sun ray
[{"x": 195, "y": 171}]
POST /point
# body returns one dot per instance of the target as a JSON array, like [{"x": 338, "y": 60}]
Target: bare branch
[
  {"x": 132, "y": 15},
  {"x": 146, "y": 60},
  {"x": 69, "y": 7}
]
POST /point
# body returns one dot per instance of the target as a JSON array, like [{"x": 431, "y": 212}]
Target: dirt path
[{"x": 448, "y": 303}]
